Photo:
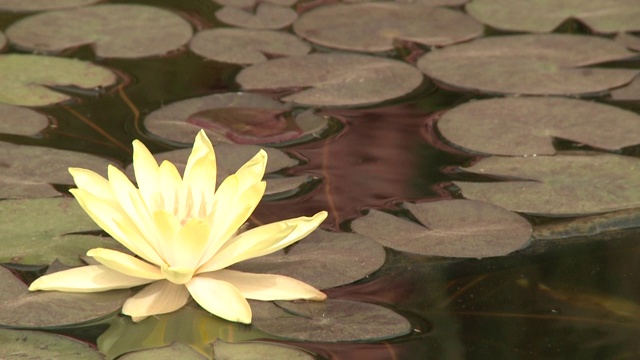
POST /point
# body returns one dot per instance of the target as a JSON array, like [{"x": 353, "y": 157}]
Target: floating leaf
[
  {"x": 564, "y": 184},
  {"x": 530, "y": 64},
  {"x": 333, "y": 79},
  {"x": 323, "y": 259},
  {"x": 266, "y": 16},
  {"x": 328, "y": 321},
  {"x": 230, "y": 117},
  {"x": 434, "y": 2},
  {"x": 454, "y": 228},
  {"x": 257, "y": 351},
  {"x": 242, "y": 46},
  {"x": 22, "y": 308},
  {"x": 28, "y": 171},
  {"x": 628, "y": 40},
  {"x": 587, "y": 226},
  {"x": 3, "y": 40},
  {"x": 23, "y": 344},
  {"x": 41, "y": 5},
  {"x": 630, "y": 92},
  {"x": 603, "y": 16},
  {"x": 250, "y": 3},
  {"x": 26, "y": 78},
  {"x": 114, "y": 30},
  {"x": 374, "y": 26},
  {"x": 527, "y": 126},
  {"x": 21, "y": 121},
  {"x": 171, "y": 352}
]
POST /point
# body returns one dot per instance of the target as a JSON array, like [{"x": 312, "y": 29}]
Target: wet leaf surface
[
  {"x": 528, "y": 126},
  {"x": 171, "y": 352},
  {"x": 565, "y": 184},
  {"x": 374, "y": 26},
  {"x": 333, "y": 79},
  {"x": 323, "y": 259},
  {"x": 40, "y": 5},
  {"x": 629, "y": 40},
  {"x": 603, "y": 16},
  {"x": 114, "y": 30},
  {"x": 17, "y": 344},
  {"x": 551, "y": 64},
  {"x": 243, "y": 46},
  {"x": 26, "y": 78},
  {"x": 630, "y": 92},
  {"x": 453, "y": 228},
  {"x": 257, "y": 351},
  {"x": 263, "y": 16},
  {"x": 21, "y": 121},
  {"x": 328, "y": 321}
]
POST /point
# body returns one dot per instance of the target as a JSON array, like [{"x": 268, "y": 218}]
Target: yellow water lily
[{"x": 184, "y": 233}]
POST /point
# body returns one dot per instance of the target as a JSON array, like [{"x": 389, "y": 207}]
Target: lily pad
[
  {"x": 26, "y": 78},
  {"x": 434, "y": 2},
  {"x": 20, "y": 121},
  {"x": 243, "y": 46},
  {"x": 24, "y": 344},
  {"x": 567, "y": 184},
  {"x": 527, "y": 126},
  {"x": 233, "y": 117},
  {"x": 257, "y": 351},
  {"x": 374, "y": 26},
  {"x": 453, "y": 228},
  {"x": 265, "y": 16},
  {"x": 331, "y": 320},
  {"x": 41, "y": 5},
  {"x": 3, "y": 40},
  {"x": 323, "y": 259},
  {"x": 28, "y": 171},
  {"x": 630, "y": 92},
  {"x": 544, "y": 64},
  {"x": 602, "y": 16},
  {"x": 171, "y": 352},
  {"x": 114, "y": 30},
  {"x": 629, "y": 40},
  {"x": 250, "y": 3},
  {"x": 22, "y": 308},
  {"x": 333, "y": 79}
]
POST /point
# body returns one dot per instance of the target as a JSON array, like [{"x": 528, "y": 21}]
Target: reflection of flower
[{"x": 185, "y": 234}]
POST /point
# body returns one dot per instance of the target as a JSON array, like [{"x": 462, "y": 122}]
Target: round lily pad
[
  {"x": 234, "y": 117},
  {"x": 333, "y": 79},
  {"x": 257, "y": 351},
  {"x": 250, "y": 3},
  {"x": 629, "y": 40},
  {"x": 329, "y": 259},
  {"x": 547, "y": 64},
  {"x": 630, "y": 92},
  {"x": 114, "y": 30},
  {"x": 263, "y": 16},
  {"x": 374, "y": 26},
  {"x": 243, "y": 46},
  {"x": 171, "y": 352},
  {"x": 434, "y": 2},
  {"x": 566, "y": 184},
  {"x": 20, "y": 121},
  {"x": 603, "y": 16},
  {"x": 24, "y": 344},
  {"x": 26, "y": 78},
  {"x": 28, "y": 171},
  {"x": 527, "y": 126},
  {"x": 331, "y": 320},
  {"x": 453, "y": 228},
  {"x": 22, "y": 308},
  {"x": 41, "y": 5}
]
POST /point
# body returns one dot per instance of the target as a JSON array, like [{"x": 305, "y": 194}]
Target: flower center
[{"x": 178, "y": 275}]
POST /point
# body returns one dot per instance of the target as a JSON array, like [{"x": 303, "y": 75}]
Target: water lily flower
[{"x": 184, "y": 233}]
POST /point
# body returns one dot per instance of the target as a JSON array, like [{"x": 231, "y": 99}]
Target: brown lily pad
[
  {"x": 630, "y": 92},
  {"x": 264, "y": 16},
  {"x": 548, "y": 64},
  {"x": 333, "y": 79},
  {"x": 629, "y": 40},
  {"x": 21, "y": 121},
  {"x": 41, "y": 5},
  {"x": 527, "y": 126},
  {"x": 374, "y": 26}
]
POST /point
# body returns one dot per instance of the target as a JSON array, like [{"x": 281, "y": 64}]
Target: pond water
[{"x": 573, "y": 297}]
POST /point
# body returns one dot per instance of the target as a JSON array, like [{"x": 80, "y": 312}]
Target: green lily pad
[
  {"x": 331, "y": 320},
  {"x": 114, "y": 30},
  {"x": 264, "y": 16},
  {"x": 527, "y": 126},
  {"x": 243, "y": 46},
  {"x": 22, "y": 308},
  {"x": 434, "y": 2},
  {"x": 567, "y": 184},
  {"x": 171, "y": 352},
  {"x": 41, "y": 5},
  {"x": 602, "y": 16},
  {"x": 20, "y": 121},
  {"x": 257, "y": 351},
  {"x": 34, "y": 232},
  {"x": 28, "y": 171},
  {"x": 374, "y": 26},
  {"x": 323, "y": 259},
  {"x": 234, "y": 117},
  {"x": 333, "y": 79},
  {"x": 250, "y": 3},
  {"x": 24, "y": 344},
  {"x": 547, "y": 64},
  {"x": 453, "y": 228},
  {"x": 26, "y": 78}
]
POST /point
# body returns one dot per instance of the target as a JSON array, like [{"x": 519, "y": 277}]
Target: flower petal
[
  {"x": 168, "y": 227},
  {"x": 220, "y": 298},
  {"x": 252, "y": 171},
  {"x": 146, "y": 171},
  {"x": 161, "y": 297},
  {"x": 171, "y": 188},
  {"x": 92, "y": 278},
  {"x": 267, "y": 287},
  {"x": 125, "y": 264},
  {"x": 200, "y": 173},
  {"x": 93, "y": 183}
]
